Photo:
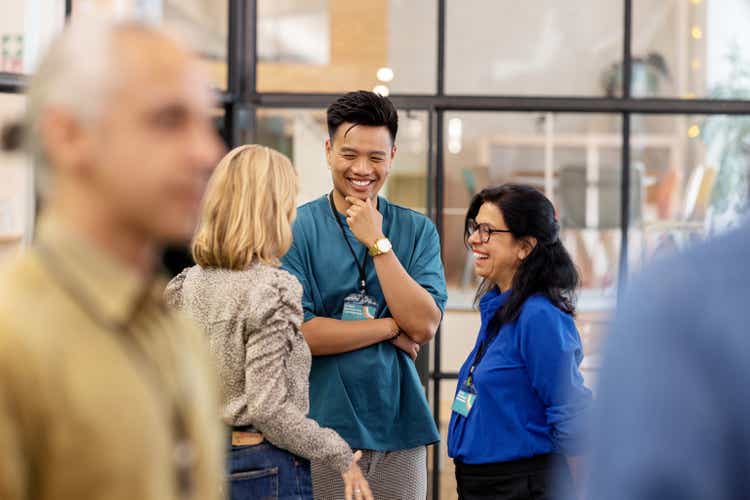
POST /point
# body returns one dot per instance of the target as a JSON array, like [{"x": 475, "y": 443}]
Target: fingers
[
  {"x": 353, "y": 209},
  {"x": 361, "y": 487},
  {"x": 347, "y": 486},
  {"x": 355, "y": 485},
  {"x": 352, "y": 212},
  {"x": 357, "y": 202},
  {"x": 366, "y": 492}
]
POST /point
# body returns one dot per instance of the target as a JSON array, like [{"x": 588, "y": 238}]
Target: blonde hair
[{"x": 247, "y": 210}]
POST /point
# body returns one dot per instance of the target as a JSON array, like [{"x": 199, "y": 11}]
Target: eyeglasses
[{"x": 485, "y": 231}]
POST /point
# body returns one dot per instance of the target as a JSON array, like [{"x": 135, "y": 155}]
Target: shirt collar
[
  {"x": 106, "y": 283},
  {"x": 492, "y": 300},
  {"x": 489, "y": 304}
]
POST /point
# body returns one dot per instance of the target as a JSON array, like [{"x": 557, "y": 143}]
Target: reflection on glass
[
  {"x": 690, "y": 49},
  {"x": 545, "y": 48},
  {"x": 294, "y": 36},
  {"x": 200, "y": 23},
  {"x": 204, "y": 25},
  {"x": 152, "y": 10},
  {"x": 574, "y": 159},
  {"x": 699, "y": 189},
  {"x": 339, "y": 45},
  {"x": 26, "y": 27},
  {"x": 301, "y": 135}
]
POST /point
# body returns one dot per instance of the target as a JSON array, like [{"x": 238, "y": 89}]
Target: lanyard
[
  {"x": 360, "y": 267},
  {"x": 483, "y": 348},
  {"x": 184, "y": 460}
]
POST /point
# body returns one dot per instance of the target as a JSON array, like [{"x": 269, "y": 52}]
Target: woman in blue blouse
[{"x": 520, "y": 402}]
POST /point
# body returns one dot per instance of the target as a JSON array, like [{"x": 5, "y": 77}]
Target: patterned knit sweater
[{"x": 253, "y": 320}]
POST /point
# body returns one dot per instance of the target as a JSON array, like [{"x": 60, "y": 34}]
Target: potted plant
[{"x": 727, "y": 140}]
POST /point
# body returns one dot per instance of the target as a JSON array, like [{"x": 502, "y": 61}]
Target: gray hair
[{"x": 76, "y": 74}]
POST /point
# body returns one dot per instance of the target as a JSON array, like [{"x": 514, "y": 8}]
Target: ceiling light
[{"x": 385, "y": 74}]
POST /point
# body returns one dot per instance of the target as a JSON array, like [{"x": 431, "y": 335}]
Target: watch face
[{"x": 384, "y": 245}]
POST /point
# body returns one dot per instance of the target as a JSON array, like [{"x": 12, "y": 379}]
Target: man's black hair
[{"x": 363, "y": 108}]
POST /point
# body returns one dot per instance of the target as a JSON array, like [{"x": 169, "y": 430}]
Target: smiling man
[{"x": 374, "y": 291}]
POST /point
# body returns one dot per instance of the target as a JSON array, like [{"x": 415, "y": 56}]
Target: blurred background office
[{"x": 488, "y": 92}]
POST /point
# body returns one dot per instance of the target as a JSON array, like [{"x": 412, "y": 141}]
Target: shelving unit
[{"x": 592, "y": 144}]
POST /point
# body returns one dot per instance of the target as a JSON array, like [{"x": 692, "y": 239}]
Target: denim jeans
[{"x": 265, "y": 472}]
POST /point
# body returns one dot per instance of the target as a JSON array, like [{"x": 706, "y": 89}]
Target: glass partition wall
[{"x": 631, "y": 115}]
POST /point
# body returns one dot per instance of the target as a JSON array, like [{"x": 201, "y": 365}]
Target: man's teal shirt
[{"x": 372, "y": 397}]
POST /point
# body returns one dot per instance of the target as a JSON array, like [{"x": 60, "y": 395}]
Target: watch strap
[{"x": 375, "y": 249}]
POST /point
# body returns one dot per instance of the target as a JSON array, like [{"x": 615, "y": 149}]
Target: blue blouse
[{"x": 531, "y": 399}]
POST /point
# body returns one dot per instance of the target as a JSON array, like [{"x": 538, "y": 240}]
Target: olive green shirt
[{"x": 94, "y": 371}]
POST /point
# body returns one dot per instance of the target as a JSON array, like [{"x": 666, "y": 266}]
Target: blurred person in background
[
  {"x": 520, "y": 403},
  {"x": 374, "y": 291},
  {"x": 672, "y": 417},
  {"x": 252, "y": 312},
  {"x": 104, "y": 392}
]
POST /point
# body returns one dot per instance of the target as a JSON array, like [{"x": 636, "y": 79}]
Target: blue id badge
[
  {"x": 359, "y": 306},
  {"x": 465, "y": 400}
]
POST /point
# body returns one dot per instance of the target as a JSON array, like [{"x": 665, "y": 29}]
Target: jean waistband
[
  {"x": 521, "y": 466},
  {"x": 244, "y": 428}
]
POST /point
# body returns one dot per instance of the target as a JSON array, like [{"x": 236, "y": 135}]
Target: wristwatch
[{"x": 383, "y": 245}]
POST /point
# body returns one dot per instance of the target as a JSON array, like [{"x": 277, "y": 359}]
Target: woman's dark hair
[
  {"x": 363, "y": 108},
  {"x": 548, "y": 269}
]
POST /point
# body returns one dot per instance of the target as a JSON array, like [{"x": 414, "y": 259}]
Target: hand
[
  {"x": 407, "y": 345},
  {"x": 355, "y": 484},
  {"x": 364, "y": 220}
]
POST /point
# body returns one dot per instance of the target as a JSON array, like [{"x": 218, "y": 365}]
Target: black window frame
[{"x": 241, "y": 100}]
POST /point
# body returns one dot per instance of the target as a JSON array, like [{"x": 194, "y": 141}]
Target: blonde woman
[{"x": 252, "y": 312}]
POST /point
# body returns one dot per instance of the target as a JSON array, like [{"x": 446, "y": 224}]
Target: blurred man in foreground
[
  {"x": 104, "y": 393},
  {"x": 673, "y": 414}
]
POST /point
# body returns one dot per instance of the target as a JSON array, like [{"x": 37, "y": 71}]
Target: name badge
[
  {"x": 359, "y": 306},
  {"x": 465, "y": 400}
]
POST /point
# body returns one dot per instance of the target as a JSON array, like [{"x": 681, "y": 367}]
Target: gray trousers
[{"x": 393, "y": 475}]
